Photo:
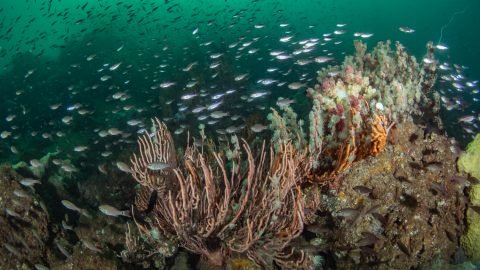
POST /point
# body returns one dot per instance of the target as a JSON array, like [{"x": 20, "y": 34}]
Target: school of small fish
[
  {"x": 100, "y": 94},
  {"x": 120, "y": 64}
]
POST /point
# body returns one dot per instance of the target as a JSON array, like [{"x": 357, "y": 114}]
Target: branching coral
[
  {"x": 217, "y": 206},
  {"x": 223, "y": 203},
  {"x": 287, "y": 129},
  {"x": 356, "y": 105}
]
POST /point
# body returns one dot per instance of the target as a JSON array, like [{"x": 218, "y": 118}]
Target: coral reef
[
  {"x": 206, "y": 199},
  {"x": 23, "y": 223},
  {"x": 363, "y": 186},
  {"x": 395, "y": 207},
  {"x": 219, "y": 204},
  {"x": 356, "y": 105}
]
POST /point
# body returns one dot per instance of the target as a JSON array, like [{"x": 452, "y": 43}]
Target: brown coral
[{"x": 217, "y": 206}]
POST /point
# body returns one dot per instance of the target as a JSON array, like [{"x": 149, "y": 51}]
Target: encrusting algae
[{"x": 469, "y": 162}]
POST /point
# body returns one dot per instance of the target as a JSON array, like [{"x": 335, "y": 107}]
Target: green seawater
[
  {"x": 52, "y": 40},
  {"x": 76, "y": 74},
  {"x": 45, "y": 46}
]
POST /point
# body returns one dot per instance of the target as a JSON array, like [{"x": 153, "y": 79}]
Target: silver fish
[
  {"x": 123, "y": 167},
  {"x": 29, "y": 182},
  {"x": 112, "y": 211},
  {"x": 159, "y": 166}
]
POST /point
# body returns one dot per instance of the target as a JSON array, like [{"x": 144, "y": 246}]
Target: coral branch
[{"x": 216, "y": 206}]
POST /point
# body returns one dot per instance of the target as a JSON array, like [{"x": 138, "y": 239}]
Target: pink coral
[
  {"x": 328, "y": 84},
  {"x": 349, "y": 74}
]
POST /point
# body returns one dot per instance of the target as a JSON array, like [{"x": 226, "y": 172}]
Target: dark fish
[
  {"x": 139, "y": 215},
  {"x": 363, "y": 189},
  {"x": 318, "y": 229},
  {"x": 408, "y": 200},
  {"x": 413, "y": 138},
  {"x": 450, "y": 235},
  {"x": 415, "y": 165},
  {"x": 403, "y": 248},
  {"x": 402, "y": 178},
  {"x": 151, "y": 202},
  {"x": 380, "y": 218},
  {"x": 439, "y": 188},
  {"x": 368, "y": 239},
  {"x": 430, "y": 128},
  {"x": 459, "y": 257},
  {"x": 460, "y": 180}
]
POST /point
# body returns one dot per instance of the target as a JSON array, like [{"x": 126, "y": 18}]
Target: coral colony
[{"x": 220, "y": 201}]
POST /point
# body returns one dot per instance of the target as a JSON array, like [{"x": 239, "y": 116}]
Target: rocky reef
[
  {"x": 24, "y": 223},
  {"x": 469, "y": 163},
  {"x": 398, "y": 210},
  {"x": 367, "y": 180}
]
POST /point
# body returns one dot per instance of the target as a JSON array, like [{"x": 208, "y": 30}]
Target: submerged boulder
[{"x": 469, "y": 162}]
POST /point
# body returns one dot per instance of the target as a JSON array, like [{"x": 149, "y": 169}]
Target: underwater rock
[
  {"x": 181, "y": 262},
  {"x": 37, "y": 167},
  {"x": 82, "y": 259},
  {"x": 469, "y": 162},
  {"x": 387, "y": 212},
  {"x": 23, "y": 224},
  {"x": 115, "y": 189},
  {"x": 470, "y": 241}
]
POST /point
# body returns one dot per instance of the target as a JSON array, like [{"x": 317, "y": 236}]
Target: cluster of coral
[
  {"x": 231, "y": 200},
  {"x": 221, "y": 203},
  {"x": 364, "y": 183},
  {"x": 398, "y": 210},
  {"x": 390, "y": 82},
  {"x": 356, "y": 105}
]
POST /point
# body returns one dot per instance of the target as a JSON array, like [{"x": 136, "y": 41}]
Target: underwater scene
[{"x": 239, "y": 134}]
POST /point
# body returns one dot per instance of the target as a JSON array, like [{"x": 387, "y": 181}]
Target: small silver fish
[
  {"x": 159, "y": 166},
  {"x": 41, "y": 267},
  {"x": 20, "y": 193},
  {"x": 257, "y": 128},
  {"x": 62, "y": 249},
  {"x": 29, "y": 182},
  {"x": 12, "y": 213},
  {"x": 405, "y": 29},
  {"x": 466, "y": 119},
  {"x": 123, "y": 167},
  {"x": 70, "y": 205},
  {"x": 323, "y": 59},
  {"x": 112, "y": 211},
  {"x": 12, "y": 249},
  {"x": 296, "y": 85},
  {"x": 91, "y": 246}
]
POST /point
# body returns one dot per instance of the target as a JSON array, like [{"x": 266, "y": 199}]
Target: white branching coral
[{"x": 286, "y": 128}]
